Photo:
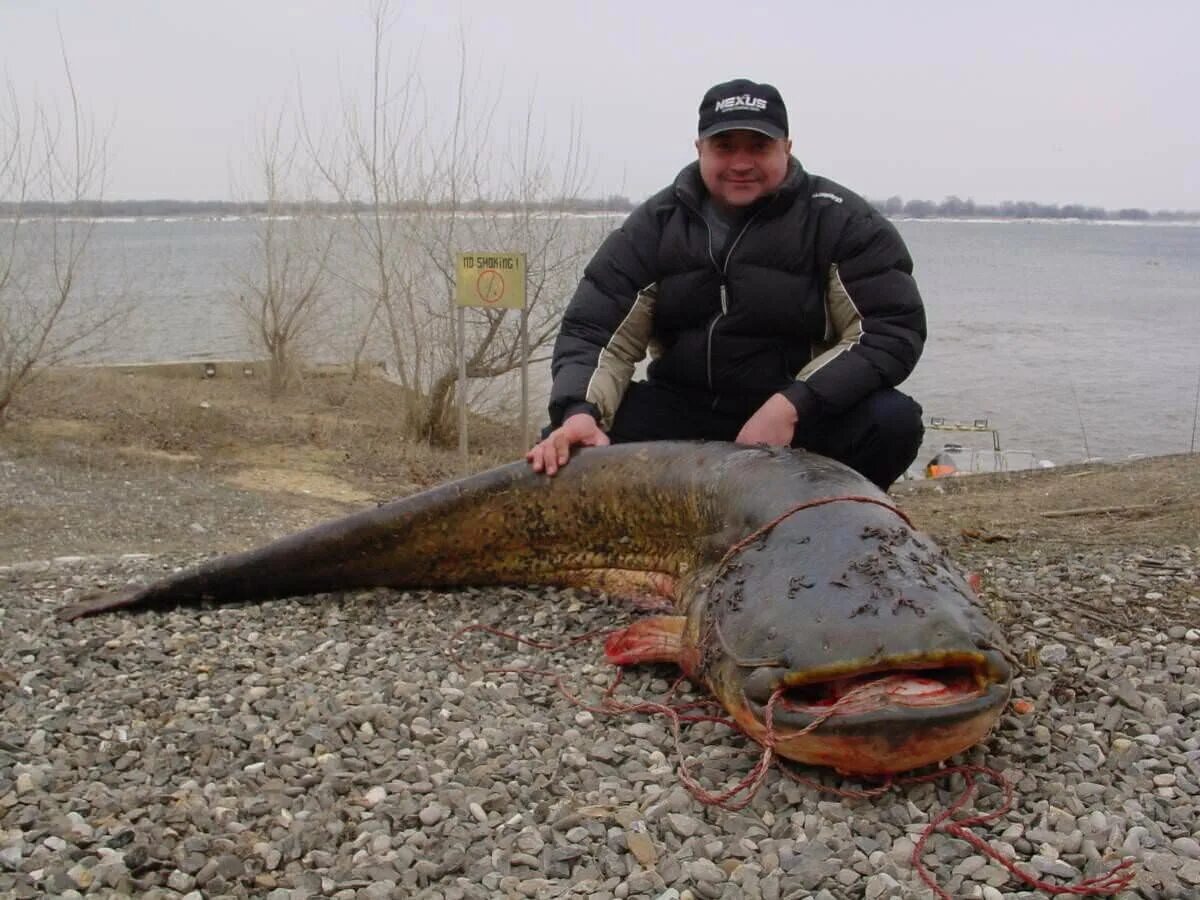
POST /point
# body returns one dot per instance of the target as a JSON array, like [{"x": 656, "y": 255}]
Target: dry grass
[
  {"x": 340, "y": 440},
  {"x": 1154, "y": 502},
  {"x": 327, "y": 425}
]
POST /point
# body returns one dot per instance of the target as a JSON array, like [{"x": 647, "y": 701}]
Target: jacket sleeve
[
  {"x": 607, "y": 324},
  {"x": 875, "y": 320}
]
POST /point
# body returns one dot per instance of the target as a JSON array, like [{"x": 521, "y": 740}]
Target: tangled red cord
[{"x": 740, "y": 795}]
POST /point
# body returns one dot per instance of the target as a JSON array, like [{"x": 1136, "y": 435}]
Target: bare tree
[
  {"x": 364, "y": 165},
  {"x": 424, "y": 185},
  {"x": 43, "y": 318},
  {"x": 528, "y": 193},
  {"x": 540, "y": 192},
  {"x": 287, "y": 281}
]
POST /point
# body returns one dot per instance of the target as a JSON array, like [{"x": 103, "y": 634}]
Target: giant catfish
[{"x": 803, "y": 599}]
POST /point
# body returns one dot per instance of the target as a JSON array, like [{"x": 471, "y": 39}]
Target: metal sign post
[
  {"x": 524, "y": 377},
  {"x": 462, "y": 387},
  {"x": 490, "y": 281}
]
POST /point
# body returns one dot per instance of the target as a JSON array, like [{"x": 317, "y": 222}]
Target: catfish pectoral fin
[{"x": 653, "y": 639}]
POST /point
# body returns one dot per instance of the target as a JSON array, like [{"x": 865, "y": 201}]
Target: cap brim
[{"x": 758, "y": 125}]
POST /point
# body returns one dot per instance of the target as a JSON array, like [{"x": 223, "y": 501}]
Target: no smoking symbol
[{"x": 490, "y": 286}]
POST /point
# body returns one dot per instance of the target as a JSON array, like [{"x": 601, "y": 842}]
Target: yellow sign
[{"x": 492, "y": 280}]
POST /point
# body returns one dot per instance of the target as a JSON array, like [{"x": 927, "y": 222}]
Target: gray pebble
[
  {"x": 180, "y": 881},
  {"x": 881, "y": 887},
  {"x": 1189, "y": 872},
  {"x": 1187, "y": 846},
  {"x": 704, "y": 870},
  {"x": 433, "y": 813},
  {"x": 684, "y": 826},
  {"x": 1053, "y": 654}
]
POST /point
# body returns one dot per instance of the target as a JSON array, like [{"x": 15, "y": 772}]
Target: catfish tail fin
[{"x": 95, "y": 603}]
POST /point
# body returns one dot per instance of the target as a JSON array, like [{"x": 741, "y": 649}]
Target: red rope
[
  {"x": 734, "y": 798},
  {"x": 808, "y": 504},
  {"x": 1115, "y": 879},
  {"x": 1110, "y": 882},
  {"x": 740, "y": 795}
]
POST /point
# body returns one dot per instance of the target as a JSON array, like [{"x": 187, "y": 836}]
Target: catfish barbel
[{"x": 796, "y": 587}]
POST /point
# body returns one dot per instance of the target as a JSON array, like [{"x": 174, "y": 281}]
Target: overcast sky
[{"x": 1058, "y": 102}]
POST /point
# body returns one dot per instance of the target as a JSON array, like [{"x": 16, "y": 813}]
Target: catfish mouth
[
  {"x": 909, "y": 694},
  {"x": 880, "y": 720},
  {"x": 911, "y": 689}
]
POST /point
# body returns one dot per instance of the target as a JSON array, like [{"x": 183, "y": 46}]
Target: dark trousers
[{"x": 880, "y": 437}]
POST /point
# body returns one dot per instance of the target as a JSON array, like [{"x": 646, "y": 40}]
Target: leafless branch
[
  {"x": 43, "y": 317},
  {"x": 408, "y": 166}
]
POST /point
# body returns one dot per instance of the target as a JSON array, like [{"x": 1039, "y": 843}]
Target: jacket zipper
[{"x": 723, "y": 269}]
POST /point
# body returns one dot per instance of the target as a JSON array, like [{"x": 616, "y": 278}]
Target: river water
[{"x": 1072, "y": 340}]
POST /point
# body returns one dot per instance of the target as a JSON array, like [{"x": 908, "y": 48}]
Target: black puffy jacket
[{"x": 812, "y": 296}]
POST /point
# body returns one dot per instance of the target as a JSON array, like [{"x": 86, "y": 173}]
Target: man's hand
[
  {"x": 773, "y": 424},
  {"x": 551, "y": 453}
]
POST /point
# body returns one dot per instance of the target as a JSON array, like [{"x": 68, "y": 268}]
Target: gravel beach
[{"x": 330, "y": 747}]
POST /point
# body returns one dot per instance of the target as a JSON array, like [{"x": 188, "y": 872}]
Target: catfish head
[{"x": 858, "y": 649}]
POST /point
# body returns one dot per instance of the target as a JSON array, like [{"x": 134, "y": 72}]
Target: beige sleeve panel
[
  {"x": 843, "y": 328},
  {"x": 624, "y": 350}
]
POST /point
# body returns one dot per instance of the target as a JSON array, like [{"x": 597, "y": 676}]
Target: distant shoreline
[
  {"x": 257, "y": 217},
  {"x": 951, "y": 209}
]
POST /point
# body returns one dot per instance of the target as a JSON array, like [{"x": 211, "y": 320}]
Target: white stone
[
  {"x": 1053, "y": 654},
  {"x": 374, "y": 796},
  {"x": 432, "y": 814}
]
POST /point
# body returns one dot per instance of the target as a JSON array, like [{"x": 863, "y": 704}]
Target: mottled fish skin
[{"x": 831, "y": 590}]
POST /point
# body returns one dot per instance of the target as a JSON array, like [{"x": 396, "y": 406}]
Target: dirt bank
[{"x": 97, "y": 463}]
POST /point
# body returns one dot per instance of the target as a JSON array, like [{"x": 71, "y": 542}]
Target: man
[{"x": 778, "y": 308}]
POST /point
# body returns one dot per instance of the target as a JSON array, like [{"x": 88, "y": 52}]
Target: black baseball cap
[{"x": 742, "y": 103}]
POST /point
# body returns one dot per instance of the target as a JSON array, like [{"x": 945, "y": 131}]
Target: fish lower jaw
[
  {"x": 883, "y": 740},
  {"x": 888, "y": 753}
]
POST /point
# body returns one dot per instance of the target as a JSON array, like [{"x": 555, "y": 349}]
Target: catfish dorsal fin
[{"x": 649, "y": 640}]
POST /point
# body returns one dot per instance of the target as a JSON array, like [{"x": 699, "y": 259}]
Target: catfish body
[{"x": 834, "y": 594}]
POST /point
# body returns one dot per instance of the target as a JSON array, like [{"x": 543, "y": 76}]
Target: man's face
[{"x": 739, "y": 167}]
